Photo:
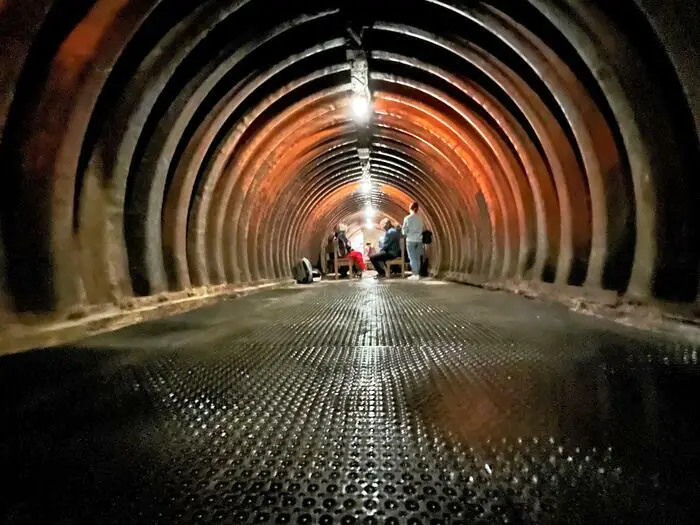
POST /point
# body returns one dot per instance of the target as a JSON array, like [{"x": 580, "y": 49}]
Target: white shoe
[{"x": 414, "y": 278}]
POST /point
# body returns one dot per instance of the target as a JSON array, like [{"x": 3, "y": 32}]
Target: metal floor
[{"x": 355, "y": 403}]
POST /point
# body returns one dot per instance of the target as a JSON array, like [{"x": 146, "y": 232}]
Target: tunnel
[{"x": 166, "y": 165}]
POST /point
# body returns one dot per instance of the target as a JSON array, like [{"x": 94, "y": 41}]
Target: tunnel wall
[{"x": 154, "y": 149}]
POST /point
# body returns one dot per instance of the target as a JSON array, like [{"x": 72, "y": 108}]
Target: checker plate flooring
[{"x": 355, "y": 403}]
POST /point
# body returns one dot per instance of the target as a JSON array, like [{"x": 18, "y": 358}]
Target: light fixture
[
  {"x": 360, "y": 107},
  {"x": 361, "y": 110},
  {"x": 361, "y": 99}
]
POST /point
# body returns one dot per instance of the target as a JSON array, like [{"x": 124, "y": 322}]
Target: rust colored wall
[{"x": 151, "y": 148}]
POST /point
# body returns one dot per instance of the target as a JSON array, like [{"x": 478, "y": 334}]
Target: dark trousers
[{"x": 378, "y": 261}]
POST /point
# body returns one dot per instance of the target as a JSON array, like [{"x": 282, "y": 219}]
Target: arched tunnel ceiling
[{"x": 155, "y": 145}]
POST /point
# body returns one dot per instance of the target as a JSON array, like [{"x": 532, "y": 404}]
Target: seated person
[
  {"x": 391, "y": 248},
  {"x": 345, "y": 250}
]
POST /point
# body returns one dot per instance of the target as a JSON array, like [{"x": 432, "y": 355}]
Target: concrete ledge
[
  {"x": 671, "y": 319},
  {"x": 539, "y": 289},
  {"x": 27, "y": 332}
]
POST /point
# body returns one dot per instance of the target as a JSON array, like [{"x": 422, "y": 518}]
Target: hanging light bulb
[
  {"x": 361, "y": 107},
  {"x": 366, "y": 187},
  {"x": 369, "y": 224},
  {"x": 369, "y": 212}
]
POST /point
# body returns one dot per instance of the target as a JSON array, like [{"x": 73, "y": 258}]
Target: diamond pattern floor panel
[{"x": 355, "y": 403}]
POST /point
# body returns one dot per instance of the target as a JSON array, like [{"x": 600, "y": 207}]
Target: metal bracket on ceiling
[
  {"x": 359, "y": 72},
  {"x": 357, "y": 38},
  {"x": 361, "y": 104}
]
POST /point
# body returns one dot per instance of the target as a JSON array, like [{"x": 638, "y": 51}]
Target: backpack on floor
[{"x": 302, "y": 272}]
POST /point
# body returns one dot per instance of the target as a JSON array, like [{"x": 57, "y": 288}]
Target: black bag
[
  {"x": 424, "y": 263},
  {"x": 427, "y": 236},
  {"x": 302, "y": 272}
]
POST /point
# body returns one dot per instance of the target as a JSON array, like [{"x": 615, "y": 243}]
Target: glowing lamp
[{"x": 360, "y": 107}]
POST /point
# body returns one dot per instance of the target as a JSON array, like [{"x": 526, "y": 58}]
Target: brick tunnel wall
[{"x": 153, "y": 148}]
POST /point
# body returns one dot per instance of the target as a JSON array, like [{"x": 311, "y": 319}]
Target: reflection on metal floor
[{"x": 355, "y": 403}]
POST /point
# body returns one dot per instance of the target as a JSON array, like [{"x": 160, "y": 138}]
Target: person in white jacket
[{"x": 413, "y": 231}]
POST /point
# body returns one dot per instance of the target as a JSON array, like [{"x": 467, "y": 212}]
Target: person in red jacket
[{"x": 358, "y": 262}]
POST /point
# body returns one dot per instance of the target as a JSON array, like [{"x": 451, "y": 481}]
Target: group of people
[{"x": 412, "y": 229}]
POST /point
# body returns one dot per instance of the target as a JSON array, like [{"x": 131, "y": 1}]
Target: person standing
[
  {"x": 413, "y": 230},
  {"x": 391, "y": 248}
]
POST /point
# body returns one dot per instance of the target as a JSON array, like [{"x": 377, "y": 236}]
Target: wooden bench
[
  {"x": 397, "y": 262},
  {"x": 338, "y": 261}
]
